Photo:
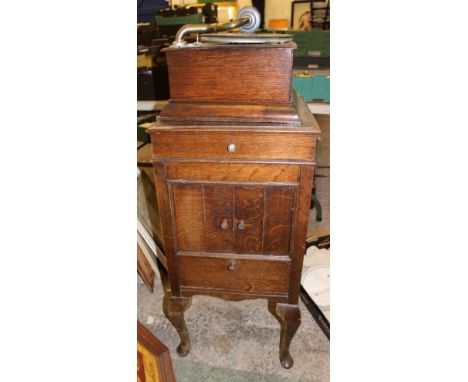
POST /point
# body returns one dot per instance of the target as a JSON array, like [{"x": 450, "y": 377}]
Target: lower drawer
[{"x": 235, "y": 274}]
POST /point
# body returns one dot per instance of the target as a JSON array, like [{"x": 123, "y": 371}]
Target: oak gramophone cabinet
[{"x": 233, "y": 157}]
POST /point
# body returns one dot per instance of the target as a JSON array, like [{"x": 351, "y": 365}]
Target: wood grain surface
[
  {"x": 144, "y": 269},
  {"x": 242, "y": 219},
  {"x": 212, "y": 272},
  {"x": 247, "y": 172},
  {"x": 299, "y": 230},
  {"x": 194, "y": 144},
  {"x": 188, "y": 206},
  {"x": 167, "y": 222},
  {"x": 154, "y": 347},
  {"x": 289, "y": 317},
  {"x": 198, "y": 74},
  {"x": 248, "y": 210},
  {"x": 218, "y": 210},
  {"x": 234, "y": 221},
  {"x": 308, "y": 123},
  {"x": 232, "y": 295},
  {"x": 279, "y": 204},
  {"x": 229, "y": 112}
]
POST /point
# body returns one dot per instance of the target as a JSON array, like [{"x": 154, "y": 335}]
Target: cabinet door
[
  {"x": 218, "y": 218},
  {"x": 203, "y": 217},
  {"x": 233, "y": 219},
  {"x": 248, "y": 223},
  {"x": 189, "y": 219},
  {"x": 279, "y": 208},
  {"x": 263, "y": 219}
]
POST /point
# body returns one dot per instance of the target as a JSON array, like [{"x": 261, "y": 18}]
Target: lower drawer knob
[{"x": 232, "y": 266}]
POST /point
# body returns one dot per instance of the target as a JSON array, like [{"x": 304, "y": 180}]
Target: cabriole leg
[
  {"x": 174, "y": 308},
  {"x": 289, "y": 317}
]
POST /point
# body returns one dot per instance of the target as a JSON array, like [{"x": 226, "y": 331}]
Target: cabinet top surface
[{"x": 309, "y": 124}]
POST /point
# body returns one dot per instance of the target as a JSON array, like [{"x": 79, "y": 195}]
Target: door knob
[
  {"x": 241, "y": 225},
  {"x": 224, "y": 224}
]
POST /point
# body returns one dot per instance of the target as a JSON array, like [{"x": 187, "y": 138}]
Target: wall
[
  {"x": 277, "y": 9},
  {"x": 243, "y": 3}
]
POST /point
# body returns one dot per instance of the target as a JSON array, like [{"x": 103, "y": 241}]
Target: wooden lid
[
  {"x": 217, "y": 46},
  {"x": 246, "y": 38}
]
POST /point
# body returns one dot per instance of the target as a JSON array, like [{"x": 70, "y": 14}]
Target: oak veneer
[
  {"x": 196, "y": 144},
  {"x": 234, "y": 186},
  {"x": 218, "y": 207},
  {"x": 215, "y": 82},
  {"x": 192, "y": 112},
  {"x": 215, "y": 73},
  {"x": 239, "y": 172},
  {"x": 145, "y": 270},
  {"x": 233, "y": 273},
  {"x": 279, "y": 210}
]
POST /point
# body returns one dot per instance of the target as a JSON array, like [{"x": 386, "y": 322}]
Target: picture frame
[
  {"x": 154, "y": 362},
  {"x": 300, "y": 21}
]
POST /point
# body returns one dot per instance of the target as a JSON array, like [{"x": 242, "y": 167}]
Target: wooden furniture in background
[
  {"x": 321, "y": 14},
  {"x": 233, "y": 157},
  {"x": 153, "y": 358},
  {"x": 144, "y": 269}
]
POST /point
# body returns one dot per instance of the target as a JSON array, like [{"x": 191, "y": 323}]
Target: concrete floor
[
  {"x": 239, "y": 341},
  {"x": 235, "y": 341}
]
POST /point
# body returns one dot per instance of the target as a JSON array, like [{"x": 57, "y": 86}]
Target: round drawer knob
[
  {"x": 232, "y": 266},
  {"x": 224, "y": 224},
  {"x": 231, "y": 147},
  {"x": 241, "y": 225}
]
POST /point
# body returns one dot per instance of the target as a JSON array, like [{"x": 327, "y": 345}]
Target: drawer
[
  {"x": 233, "y": 273},
  {"x": 233, "y": 145}
]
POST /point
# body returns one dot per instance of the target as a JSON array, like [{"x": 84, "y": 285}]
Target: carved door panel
[
  {"x": 263, "y": 219},
  {"x": 279, "y": 208},
  {"x": 203, "y": 217},
  {"x": 218, "y": 218},
  {"x": 246, "y": 219},
  {"x": 188, "y": 210}
]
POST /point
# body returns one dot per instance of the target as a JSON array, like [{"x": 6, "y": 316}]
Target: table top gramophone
[
  {"x": 244, "y": 70},
  {"x": 234, "y": 158}
]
